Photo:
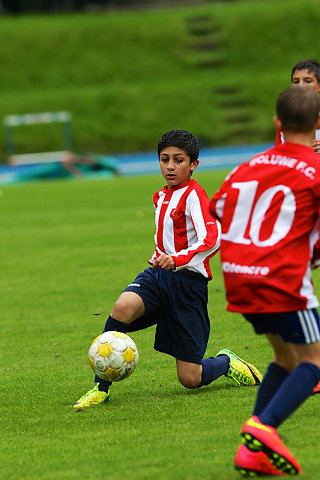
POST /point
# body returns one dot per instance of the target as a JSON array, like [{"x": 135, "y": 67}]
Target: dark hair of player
[
  {"x": 298, "y": 108},
  {"x": 311, "y": 65},
  {"x": 181, "y": 139}
]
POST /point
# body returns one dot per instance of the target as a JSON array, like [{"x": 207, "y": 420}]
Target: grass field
[{"x": 68, "y": 248}]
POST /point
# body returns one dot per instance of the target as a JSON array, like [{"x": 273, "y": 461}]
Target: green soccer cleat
[
  {"x": 92, "y": 398},
  {"x": 241, "y": 372}
]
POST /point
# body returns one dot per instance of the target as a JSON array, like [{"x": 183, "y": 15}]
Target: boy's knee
[
  {"x": 189, "y": 381},
  {"x": 128, "y": 307},
  {"x": 120, "y": 311}
]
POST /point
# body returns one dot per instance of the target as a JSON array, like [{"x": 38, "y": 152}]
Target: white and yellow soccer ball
[{"x": 113, "y": 356}]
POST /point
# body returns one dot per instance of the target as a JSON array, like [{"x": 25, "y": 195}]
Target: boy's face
[
  {"x": 175, "y": 166},
  {"x": 304, "y": 77}
]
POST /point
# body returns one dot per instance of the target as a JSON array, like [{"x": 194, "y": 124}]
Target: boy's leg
[
  {"x": 194, "y": 375},
  {"x": 139, "y": 322},
  {"x": 291, "y": 394},
  {"x": 127, "y": 308},
  {"x": 296, "y": 388},
  {"x": 213, "y": 368},
  {"x": 285, "y": 360},
  {"x": 111, "y": 325},
  {"x": 272, "y": 380},
  {"x": 259, "y": 432}
]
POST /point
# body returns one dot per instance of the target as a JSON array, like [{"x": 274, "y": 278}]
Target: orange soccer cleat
[
  {"x": 249, "y": 463},
  {"x": 258, "y": 436},
  {"x": 316, "y": 389}
]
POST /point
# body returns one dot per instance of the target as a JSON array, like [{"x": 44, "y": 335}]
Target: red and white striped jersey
[
  {"x": 185, "y": 228},
  {"x": 269, "y": 208}
]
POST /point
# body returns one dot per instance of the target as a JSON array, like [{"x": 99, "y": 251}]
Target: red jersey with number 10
[
  {"x": 269, "y": 208},
  {"x": 185, "y": 228}
]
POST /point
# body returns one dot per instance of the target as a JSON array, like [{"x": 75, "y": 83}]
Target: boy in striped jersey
[
  {"x": 269, "y": 208},
  {"x": 173, "y": 292}
]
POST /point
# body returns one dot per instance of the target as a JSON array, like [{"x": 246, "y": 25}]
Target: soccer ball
[{"x": 113, "y": 356}]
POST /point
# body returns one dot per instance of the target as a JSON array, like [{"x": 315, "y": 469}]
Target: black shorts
[
  {"x": 177, "y": 303},
  {"x": 300, "y": 326}
]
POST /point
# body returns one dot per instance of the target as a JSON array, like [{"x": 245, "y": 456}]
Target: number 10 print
[{"x": 249, "y": 216}]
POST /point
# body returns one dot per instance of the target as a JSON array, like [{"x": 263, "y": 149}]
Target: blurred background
[{"x": 121, "y": 73}]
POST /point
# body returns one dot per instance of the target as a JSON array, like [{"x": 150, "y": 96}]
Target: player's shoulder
[
  {"x": 303, "y": 154},
  {"x": 196, "y": 189},
  {"x": 157, "y": 194},
  {"x": 194, "y": 185},
  {"x": 286, "y": 154}
]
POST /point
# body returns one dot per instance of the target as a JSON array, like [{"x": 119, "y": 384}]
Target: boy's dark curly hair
[
  {"x": 311, "y": 65},
  {"x": 181, "y": 139}
]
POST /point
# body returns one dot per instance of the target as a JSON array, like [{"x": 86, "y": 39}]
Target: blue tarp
[
  {"x": 100, "y": 166},
  {"x": 126, "y": 164}
]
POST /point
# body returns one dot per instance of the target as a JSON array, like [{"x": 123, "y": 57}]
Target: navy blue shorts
[
  {"x": 177, "y": 303},
  {"x": 302, "y": 326}
]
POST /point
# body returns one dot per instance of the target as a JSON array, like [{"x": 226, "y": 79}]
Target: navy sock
[
  {"x": 111, "y": 325},
  {"x": 295, "y": 389},
  {"x": 103, "y": 384},
  {"x": 272, "y": 380},
  {"x": 114, "y": 325},
  {"x": 213, "y": 368}
]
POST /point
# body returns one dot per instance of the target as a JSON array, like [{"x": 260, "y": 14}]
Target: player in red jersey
[
  {"x": 173, "y": 292},
  {"x": 269, "y": 208},
  {"x": 305, "y": 72}
]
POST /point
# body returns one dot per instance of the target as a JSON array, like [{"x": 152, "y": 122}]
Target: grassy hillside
[{"x": 129, "y": 76}]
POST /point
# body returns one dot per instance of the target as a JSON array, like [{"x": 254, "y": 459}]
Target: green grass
[
  {"x": 127, "y": 77},
  {"x": 67, "y": 251}
]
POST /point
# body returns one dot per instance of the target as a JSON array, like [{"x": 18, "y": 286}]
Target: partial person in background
[
  {"x": 269, "y": 209},
  {"x": 305, "y": 72}
]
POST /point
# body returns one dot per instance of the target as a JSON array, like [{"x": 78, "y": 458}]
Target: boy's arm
[{"x": 217, "y": 202}]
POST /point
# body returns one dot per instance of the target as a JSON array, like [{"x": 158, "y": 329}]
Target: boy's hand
[
  {"x": 316, "y": 145},
  {"x": 165, "y": 262}
]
